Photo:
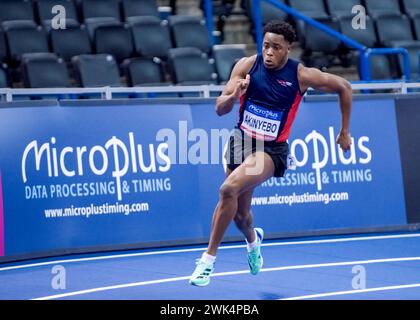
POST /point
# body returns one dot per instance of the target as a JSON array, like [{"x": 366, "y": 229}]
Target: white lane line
[
  {"x": 128, "y": 255},
  {"x": 230, "y": 273},
  {"x": 338, "y": 293}
]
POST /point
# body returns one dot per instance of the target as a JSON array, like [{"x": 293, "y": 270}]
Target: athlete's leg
[
  {"x": 237, "y": 183},
  {"x": 243, "y": 218}
]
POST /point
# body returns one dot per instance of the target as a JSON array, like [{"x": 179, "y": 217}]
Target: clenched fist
[
  {"x": 241, "y": 87},
  {"x": 344, "y": 140}
]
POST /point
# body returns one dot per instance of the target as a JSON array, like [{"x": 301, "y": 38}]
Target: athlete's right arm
[{"x": 236, "y": 86}]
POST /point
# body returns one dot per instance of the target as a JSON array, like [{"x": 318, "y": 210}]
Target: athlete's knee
[{"x": 229, "y": 190}]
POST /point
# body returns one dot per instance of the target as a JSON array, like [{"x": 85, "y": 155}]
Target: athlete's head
[{"x": 277, "y": 41}]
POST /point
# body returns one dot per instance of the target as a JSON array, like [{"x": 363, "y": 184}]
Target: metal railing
[
  {"x": 365, "y": 62},
  {"x": 202, "y": 91}
]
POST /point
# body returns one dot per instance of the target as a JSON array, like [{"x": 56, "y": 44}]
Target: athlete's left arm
[{"x": 316, "y": 79}]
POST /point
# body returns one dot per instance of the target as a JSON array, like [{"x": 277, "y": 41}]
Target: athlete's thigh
[{"x": 256, "y": 168}]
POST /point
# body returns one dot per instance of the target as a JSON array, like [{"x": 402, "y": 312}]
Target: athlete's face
[{"x": 275, "y": 50}]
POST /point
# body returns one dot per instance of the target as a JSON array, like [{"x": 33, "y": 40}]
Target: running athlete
[{"x": 270, "y": 87}]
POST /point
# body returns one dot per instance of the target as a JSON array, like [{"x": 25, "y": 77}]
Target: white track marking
[
  {"x": 230, "y": 273},
  {"x": 287, "y": 243},
  {"x": 338, "y": 293}
]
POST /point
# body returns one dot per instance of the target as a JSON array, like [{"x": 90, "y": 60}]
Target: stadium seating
[
  {"x": 135, "y": 8},
  {"x": 225, "y": 58},
  {"x": 416, "y": 25},
  {"x": 340, "y": 8},
  {"x": 151, "y": 37},
  {"x": 44, "y": 10},
  {"x": 190, "y": 31},
  {"x": 393, "y": 27},
  {"x": 411, "y": 7},
  {"x": 377, "y": 8},
  {"x": 70, "y": 42},
  {"x": 4, "y": 78},
  {"x": 413, "y": 48},
  {"x": 365, "y": 36},
  {"x": 96, "y": 70},
  {"x": 101, "y": 9},
  {"x": 190, "y": 66},
  {"x": 144, "y": 71},
  {"x": 3, "y": 47},
  {"x": 24, "y": 37},
  {"x": 268, "y": 11},
  {"x": 44, "y": 70},
  {"x": 93, "y": 23},
  {"x": 319, "y": 49},
  {"x": 114, "y": 39},
  {"x": 382, "y": 68},
  {"x": 310, "y": 8},
  {"x": 11, "y": 10}
]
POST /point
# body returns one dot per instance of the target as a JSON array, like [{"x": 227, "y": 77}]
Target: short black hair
[{"x": 281, "y": 27}]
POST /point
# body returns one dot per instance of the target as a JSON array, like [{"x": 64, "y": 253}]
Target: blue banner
[
  {"x": 83, "y": 177},
  {"x": 330, "y": 189},
  {"x": 76, "y": 177}
]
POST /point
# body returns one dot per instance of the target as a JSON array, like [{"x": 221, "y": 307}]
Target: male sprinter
[{"x": 270, "y": 87}]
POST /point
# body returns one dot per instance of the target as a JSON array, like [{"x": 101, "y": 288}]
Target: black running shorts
[{"x": 240, "y": 146}]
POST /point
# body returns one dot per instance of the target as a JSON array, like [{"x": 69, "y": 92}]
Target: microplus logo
[
  {"x": 70, "y": 161},
  {"x": 263, "y": 112},
  {"x": 325, "y": 150}
]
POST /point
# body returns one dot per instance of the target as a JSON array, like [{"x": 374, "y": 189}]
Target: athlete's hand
[
  {"x": 344, "y": 140},
  {"x": 241, "y": 87}
]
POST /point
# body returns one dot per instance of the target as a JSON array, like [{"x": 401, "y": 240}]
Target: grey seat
[
  {"x": 377, "y": 8},
  {"x": 3, "y": 46},
  {"x": 381, "y": 68},
  {"x": 136, "y": 8},
  {"x": 4, "y": 77},
  {"x": 25, "y": 37},
  {"x": 365, "y": 36},
  {"x": 340, "y": 8},
  {"x": 144, "y": 71},
  {"x": 319, "y": 48},
  {"x": 101, "y": 9},
  {"x": 416, "y": 25},
  {"x": 96, "y": 70},
  {"x": 311, "y": 8},
  {"x": 190, "y": 66},
  {"x": 411, "y": 7},
  {"x": 44, "y": 70},
  {"x": 44, "y": 9},
  {"x": 11, "y": 10},
  {"x": 151, "y": 36},
  {"x": 225, "y": 57},
  {"x": 393, "y": 27},
  {"x": 268, "y": 11},
  {"x": 413, "y": 48},
  {"x": 190, "y": 31},
  {"x": 70, "y": 42},
  {"x": 114, "y": 39}
]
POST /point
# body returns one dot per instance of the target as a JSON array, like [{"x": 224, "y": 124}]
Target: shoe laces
[{"x": 201, "y": 266}]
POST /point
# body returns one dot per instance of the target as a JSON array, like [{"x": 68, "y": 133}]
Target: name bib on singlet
[{"x": 261, "y": 123}]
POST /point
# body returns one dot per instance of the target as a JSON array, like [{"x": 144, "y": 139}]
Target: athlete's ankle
[{"x": 208, "y": 258}]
